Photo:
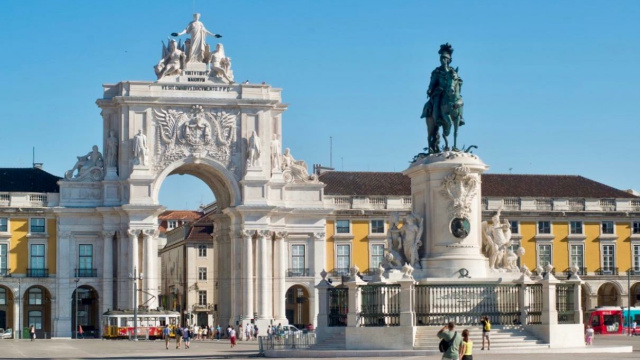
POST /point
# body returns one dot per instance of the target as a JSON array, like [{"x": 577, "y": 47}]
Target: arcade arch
[
  {"x": 635, "y": 294},
  {"x": 609, "y": 295},
  {"x": 298, "y": 306},
  {"x": 87, "y": 308},
  {"x": 6, "y": 308},
  {"x": 37, "y": 310}
]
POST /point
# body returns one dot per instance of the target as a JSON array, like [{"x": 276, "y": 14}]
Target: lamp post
[
  {"x": 16, "y": 297},
  {"x": 75, "y": 302},
  {"x": 135, "y": 277}
]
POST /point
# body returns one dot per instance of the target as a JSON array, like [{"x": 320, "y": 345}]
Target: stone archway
[
  {"x": 86, "y": 308},
  {"x": 298, "y": 306},
  {"x": 37, "y": 310},
  {"x": 6, "y": 308},
  {"x": 609, "y": 295},
  {"x": 635, "y": 294}
]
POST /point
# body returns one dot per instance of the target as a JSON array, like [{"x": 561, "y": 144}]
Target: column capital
[
  {"x": 247, "y": 233},
  {"x": 132, "y": 233},
  {"x": 264, "y": 233},
  {"x": 108, "y": 233},
  {"x": 319, "y": 236},
  {"x": 279, "y": 235},
  {"x": 150, "y": 232}
]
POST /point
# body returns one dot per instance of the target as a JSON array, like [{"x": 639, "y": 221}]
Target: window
[
  {"x": 377, "y": 226},
  {"x": 297, "y": 259},
  {"x": 202, "y": 297},
  {"x": 377, "y": 255},
  {"x": 544, "y": 227},
  {"x": 35, "y": 296},
  {"x": 35, "y": 319},
  {"x": 515, "y": 227},
  {"x": 635, "y": 228},
  {"x": 172, "y": 224},
  {"x": 37, "y": 225},
  {"x": 608, "y": 258},
  {"x": 636, "y": 258},
  {"x": 607, "y": 227},
  {"x": 202, "y": 250},
  {"x": 577, "y": 257},
  {"x": 3, "y": 296},
  {"x": 342, "y": 227},
  {"x": 3, "y": 224},
  {"x": 575, "y": 227},
  {"x": 344, "y": 258},
  {"x": 3, "y": 259},
  {"x": 37, "y": 256},
  {"x": 85, "y": 256},
  {"x": 544, "y": 255},
  {"x": 202, "y": 273}
]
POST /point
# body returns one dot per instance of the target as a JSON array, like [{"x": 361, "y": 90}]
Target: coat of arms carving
[
  {"x": 198, "y": 132},
  {"x": 460, "y": 188}
]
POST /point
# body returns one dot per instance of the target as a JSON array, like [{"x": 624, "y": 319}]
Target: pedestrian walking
[
  {"x": 466, "y": 347},
  {"x": 166, "y": 334},
  {"x": 486, "y": 330},
  {"x": 178, "y": 337},
  {"x": 205, "y": 331},
  {"x": 80, "y": 331},
  {"x": 255, "y": 332},
  {"x": 186, "y": 337},
  {"x": 452, "y": 341},
  {"x": 589, "y": 334},
  {"x": 218, "y": 330},
  {"x": 634, "y": 324},
  {"x": 232, "y": 336},
  {"x": 32, "y": 332},
  {"x": 247, "y": 332}
]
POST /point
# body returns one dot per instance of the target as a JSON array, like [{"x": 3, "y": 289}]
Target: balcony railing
[
  {"x": 339, "y": 272},
  {"x": 634, "y": 271},
  {"x": 544, "y": 204},
  {"x": 86, "y": 273},
  {"x": 299, "y": 272},
  {"x": 576, "y": 204},
  {"x": 608, "y": 204},
  {"x": 607, "y": 271},
  {"x": 511, "y": 204},
  {"x": 37, "y": 273},
  {"x": 5, "y": 272},
  {"x": 581, "y": 271}
]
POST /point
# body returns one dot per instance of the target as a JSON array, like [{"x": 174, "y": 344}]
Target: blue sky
[{"x": 550, "y": 87}]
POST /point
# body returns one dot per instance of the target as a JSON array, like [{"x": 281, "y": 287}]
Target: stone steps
[
  {"x": 334, "y": 342},
  {"x": 501, "y": 338}
]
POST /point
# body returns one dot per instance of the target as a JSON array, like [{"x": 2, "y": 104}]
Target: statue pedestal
[{"x": 445, "y": 189}]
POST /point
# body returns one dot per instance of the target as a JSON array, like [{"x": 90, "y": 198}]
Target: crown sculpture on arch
[{"x": 193, "y": 60}]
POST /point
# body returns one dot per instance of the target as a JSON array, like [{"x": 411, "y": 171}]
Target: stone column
[
  {"x": 134, "y": 269},
  {"x": 523, "y": 297},
  {"x": 264, "y": 285},
  {"x": 577, "y": 298},
  {"x": 319, "y": 258},
  {"x": 247, "y": 274},
  {"x": 549, "y": 310},
  {"x": 280, "y": 269},
  {"x": 323, "y": 303},
  {"x": 17, "y": 308},
  {"x": 107, "y": 270},
  {"x": 355, "y": 305},
  {"x": 150, "y": 274}
]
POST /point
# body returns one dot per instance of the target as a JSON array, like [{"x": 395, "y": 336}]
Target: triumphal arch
[{"x": 195, "y": 119}]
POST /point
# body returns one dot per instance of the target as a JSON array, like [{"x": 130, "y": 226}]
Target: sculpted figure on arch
[
  {"x": 140, "y": 148},
  {"x": 445, "y": 105},
  {"x": 198, "y": 43},
  {"x": 172, "y": 62}
]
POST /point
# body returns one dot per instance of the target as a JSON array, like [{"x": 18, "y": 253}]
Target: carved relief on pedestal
[
  {"x": 496, "y": 243},
  {"x": 196, "y": 132},
  {"x": 460, "y": 187},
  {"x": 405, "y": 242}
]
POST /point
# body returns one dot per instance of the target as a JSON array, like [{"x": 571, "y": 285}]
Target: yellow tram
[{"x": 118, "y": 324}]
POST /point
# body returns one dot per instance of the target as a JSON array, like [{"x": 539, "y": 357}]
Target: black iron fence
[
  {"x": 565, "y": 303},
  {"x": 338, "y": 306},
  {"x": 380, "y": 305},
  {"x": 465, "y": 304},
  {"x": 286, "y": 342},
  {"x": 535, "y": 305},
  {"x": 607, "y": 271}
]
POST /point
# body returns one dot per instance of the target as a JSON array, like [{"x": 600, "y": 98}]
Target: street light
[
  {"x": 135, "y": 277},
  {"x": 75, "y": 301}
]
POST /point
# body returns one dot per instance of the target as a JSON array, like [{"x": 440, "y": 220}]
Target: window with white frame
[
  {"x": 85, "y": 256},
  {"x": 544, "y": 254},
  {"x": 636, "y": 259},
  {"x": 4, "y": 224},
  {"x": 377, "y": 226},
  {"x": 377, "y": 255},
  {"x": 343, "y": 258},
  {"x": 635, "y": 227},
  {"x": 37, "y": 256},
  {"x": 35, "y": 319},
  {"x": 342, "y": 227},
  {"x": 577, "y": 256},
  {"x": 297, "y": 260},
  {"x": 544, "y": 227},
  {"x": 607, "y": 228},
  {"x": 38, "y": 225},
  {"x": 202, "y": 250},
  {"x": 608, "y": 258},
  {"x": 202, "y": 273},
  {"x": 3, "y": 259},
  {"x": 3, "y": 296},
  {"x": 515, "y": 226},
  {"x": 202, "y": 298},
  {"x": 35, "y": 296},
  {"x": 172, "y": 224},
  {"x": 575, "y": 227}
]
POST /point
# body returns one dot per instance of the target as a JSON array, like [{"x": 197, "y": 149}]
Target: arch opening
[
  {"x": 608, "y": 295},
  {"x": 86, "y": 309},
  {"x": 635, "y": 294},
  {"x": 297, "y": 308},
  {"x": 37, "y": 311},
  {"x": 6, "y": 308}
]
